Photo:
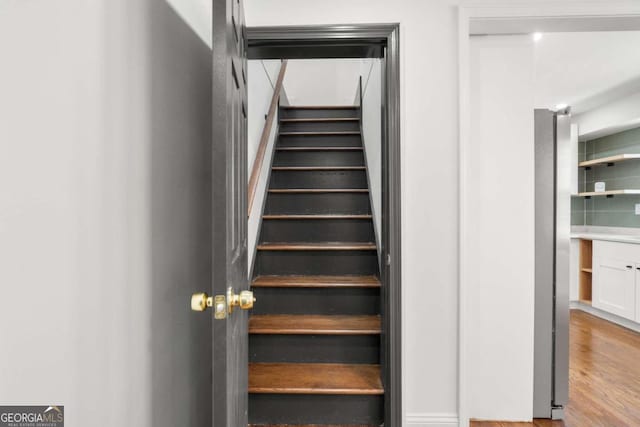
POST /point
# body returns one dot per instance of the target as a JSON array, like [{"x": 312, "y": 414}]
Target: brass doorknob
[
  {"x": 244, "y": 300},
  {"x": 222, "y": 305},
  {"x": 201, "y": 301}
]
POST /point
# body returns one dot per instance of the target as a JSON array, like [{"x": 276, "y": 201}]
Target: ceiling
[{"x": 585, "y": 70}]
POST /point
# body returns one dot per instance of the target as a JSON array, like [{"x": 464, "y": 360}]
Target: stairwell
[{"x": 314, "y": 343}]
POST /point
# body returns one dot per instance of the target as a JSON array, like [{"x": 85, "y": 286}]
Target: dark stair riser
[
  {"x": 319, "y": 158},
  {"x": 277, "y": 348},
  {"x": 320, "y": 126},
  {"x": 315, "y": 409},
  {"x": 326, "y": 301},
  {"x": 317, "y": 262},
  {"x": 319, "y": 141},
  {"x": 304, "y": 113},
  {"x": 318, "y": 203},
  {"x": 338, "y": 179},
  {"x": 317, "y": 230}
]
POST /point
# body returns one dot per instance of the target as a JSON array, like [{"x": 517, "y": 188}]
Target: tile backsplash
[{"x": 618, "y": 211}]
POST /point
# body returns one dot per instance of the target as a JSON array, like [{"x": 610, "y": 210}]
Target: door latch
[{"x": 220, "y": 307}]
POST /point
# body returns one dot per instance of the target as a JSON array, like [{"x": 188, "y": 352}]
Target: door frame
[
  {"x": 505, "y": 17},
  {"x": 346, "y": 41}
]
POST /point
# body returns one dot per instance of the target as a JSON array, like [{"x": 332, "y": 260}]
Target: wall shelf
[
  {"x": 608, "y": 193},
  {"x": 608, "y": 160},
  {"x": 586, "y": 267}
]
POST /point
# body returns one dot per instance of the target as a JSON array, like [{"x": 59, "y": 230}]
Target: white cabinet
[
  {"x": 615, "y": 287},
  {"x": 616, "y": 279}
]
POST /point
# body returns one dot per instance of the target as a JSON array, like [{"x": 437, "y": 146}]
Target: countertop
[{"x": 610, "y": 234}]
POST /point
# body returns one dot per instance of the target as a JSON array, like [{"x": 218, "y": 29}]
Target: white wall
[
  {"x": 499, "y": 218},
  {"x": 429, "y": 103},
  {"x": 39, "y": 137},
  {"x": 570, "y": 68},
  {"x": 262, "y": 78},
  {"x": 197, "y": 14},
  {"x": 321, "y": 81},
  {"x": 621, "y": 114},
  {"x": 105, "y": 132},
  {"x": 372, "y": 134}
]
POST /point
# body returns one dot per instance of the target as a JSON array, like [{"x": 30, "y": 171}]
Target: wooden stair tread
[
  {"x": 322, "y": 246},
  {"x": 286, "y": 216},
  {"x": 318, "y": 168},
  {"x": 309, "y": 425},
  {"x": 318, "y": 190},
  {"x": 316, "y": 282},
  {"x": 319, "y": 148},
  {"x": 319, "y": 107},
  {"x": 315, "y": 378},
  {"x": 337, "y": 132},
  {"x": 288, "y": 324},
  {"x": 320, "y": 119}
]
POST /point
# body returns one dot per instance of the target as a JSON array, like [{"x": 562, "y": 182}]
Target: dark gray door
[{"x": 229, "y": 185}]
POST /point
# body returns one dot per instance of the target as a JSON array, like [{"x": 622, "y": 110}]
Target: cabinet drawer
[{"x": 616, "y": 250}]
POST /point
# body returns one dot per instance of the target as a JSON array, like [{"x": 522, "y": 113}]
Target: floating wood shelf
[
  {"x": 608, "y": 193},
  {"x": 608, "y": 160}
]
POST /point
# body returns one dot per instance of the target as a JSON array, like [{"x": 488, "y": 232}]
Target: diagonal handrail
[{"x": 264, "y": 139}]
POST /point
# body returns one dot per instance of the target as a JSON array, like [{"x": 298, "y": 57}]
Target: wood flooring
[{"x": 604, "y": 377}]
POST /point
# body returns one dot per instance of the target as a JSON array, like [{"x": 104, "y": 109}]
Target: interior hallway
[{"x": 604, "y": 377}]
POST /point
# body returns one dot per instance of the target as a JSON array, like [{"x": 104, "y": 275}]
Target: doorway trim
[
  {"x": 504, "y": 17},
  {"x": 363, "y": 40}
]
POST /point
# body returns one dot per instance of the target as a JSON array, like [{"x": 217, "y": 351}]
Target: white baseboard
[
  {"x": 606, "y": 316},
  {"x": 432, "y": 420}
]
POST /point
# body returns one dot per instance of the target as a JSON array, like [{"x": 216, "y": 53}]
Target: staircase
[{"x": 314, "y": 342}]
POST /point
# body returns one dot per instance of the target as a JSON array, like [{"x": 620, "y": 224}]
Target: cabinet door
[
  {"x": 638, "y": 292},
  {"x": 615, "y": 287}
]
